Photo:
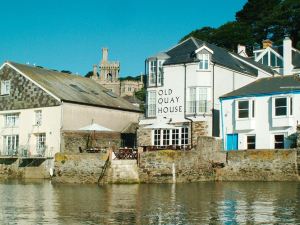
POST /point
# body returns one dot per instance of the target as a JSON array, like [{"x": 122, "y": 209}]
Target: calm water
[{"x": 202, "y": 203}]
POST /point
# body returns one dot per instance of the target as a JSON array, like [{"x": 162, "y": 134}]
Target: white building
[
  {"x": 37, "y": 105},
  {"x": 283, "y": 59},
  {"x": 262, "y": 115},
  {"x": 183, "y": 89}
]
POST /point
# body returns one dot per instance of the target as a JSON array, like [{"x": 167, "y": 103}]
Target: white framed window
[
  {"x": 280, "y": 106},
  {"x": 204, "y": 61},
  {"x": 243, "y": 109},
  {"x": 202, "y": 100},
  {"x": 5, "y": 87},
  {"x": 41, "y": 143},
  {"x": 11, "y": 144},
  {"x": 278, "y": 141},
  {"x": 151, "y": 111},
  {"x": 198, "y": 100},
  {"x": 160, "y": 73},
  {"x": 152, "y": 72},
  {"x": 38, "y": 117},
  {"x": 11, "y": 120},
  {"x": 251, "y": 142},
  {"x": 175, "y": 137}
]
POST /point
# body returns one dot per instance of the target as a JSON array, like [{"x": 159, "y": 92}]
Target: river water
[{"x": 41, "y": 202}]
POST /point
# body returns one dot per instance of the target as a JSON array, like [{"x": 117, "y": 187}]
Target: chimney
[
  {"x": 104, "y": 54},
  {"x": 287, "y": 56},
  {"x": 241, "y": 50},
  {"x": 267, "y": 43}
]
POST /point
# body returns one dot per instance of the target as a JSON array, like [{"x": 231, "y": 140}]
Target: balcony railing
[
  {"x": 198, "y": 107},
  {"x": 23, "y": 151}
]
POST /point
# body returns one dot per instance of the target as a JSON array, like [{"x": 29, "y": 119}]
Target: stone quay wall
[
  {"x": 17, "y": 168},
  {"x": 72, "y": 140},
  {"x": 206, "y": 162},
  {"x": 260, "y": 165},
  {"x": 78, "y": 167}
]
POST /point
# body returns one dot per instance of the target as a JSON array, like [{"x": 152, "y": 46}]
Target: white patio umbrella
[
  {"x": 95, "y": 127},
  {"x": 160, "y": 125}
]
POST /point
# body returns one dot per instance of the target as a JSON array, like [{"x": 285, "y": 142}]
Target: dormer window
[{"x": 204, "y": 61}]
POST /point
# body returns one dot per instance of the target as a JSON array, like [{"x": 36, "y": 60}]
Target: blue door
[{"x": 232, "y": 142}]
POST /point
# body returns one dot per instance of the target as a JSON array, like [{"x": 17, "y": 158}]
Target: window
[
  {"x": 153, "y": 72},
  {"x": 184, "y": 136},
  {"x": 11, "y": 120},
  {"x": 280, "y": 106},
  {"x": 41, "y": 143},
  {"x": 38, "y": 117},
  {"x": 157, "y": 137},
  {"x": 151, "y": 104},
  {"x": 204, "y": 61},
  {"x": 192, "y": 103},
  {"x": 11, "y": 144},
  {"x": 166, "y": 137},
  {"x": 253, "y": 108},
  {"x": 175, "y": 137},
  {"x": 278, "y": 141},
  {"x": 202, "y": 100},
  {"x": 160, "y": 73},
  {"x": 198, "y": 100},
  {"x": 243, "y": 109},
  {"x": 251, "y": 142},
  {"x": 5, "y": 87},
  {"x": 291, "y": 106}
]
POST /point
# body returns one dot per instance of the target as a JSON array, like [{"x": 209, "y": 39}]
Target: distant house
[
  {"x": 37, "y": 105},
  {"x": 262, "y": 115},
  {"x": 184, "y": 84},
  {"x": 283, "y": 59}
]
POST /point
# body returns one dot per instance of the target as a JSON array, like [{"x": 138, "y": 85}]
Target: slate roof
[
  {"x": 277, "y": 84},
  {"x": 185, "y": 53},
  {"x": 73, "y": 88}
]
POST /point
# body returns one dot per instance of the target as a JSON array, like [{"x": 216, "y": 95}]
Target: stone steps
[{"x": 123, "y": 171}]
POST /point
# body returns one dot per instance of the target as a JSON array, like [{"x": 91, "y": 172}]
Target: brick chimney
[
  {"x": 104, "y": 54},
  {"x": 267, "y": 43},
  {"x": 287, "y": 56}
]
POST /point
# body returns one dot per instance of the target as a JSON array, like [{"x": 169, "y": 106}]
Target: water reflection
[{"x": 201, "y": 203}]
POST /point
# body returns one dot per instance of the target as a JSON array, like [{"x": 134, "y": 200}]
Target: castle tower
[{"x": 109, "y": 70}]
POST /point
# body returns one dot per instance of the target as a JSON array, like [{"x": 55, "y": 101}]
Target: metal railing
[{"x": 23, "y": 151}]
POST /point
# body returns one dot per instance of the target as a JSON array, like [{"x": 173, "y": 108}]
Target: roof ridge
[{"x": 180, "y": 43}]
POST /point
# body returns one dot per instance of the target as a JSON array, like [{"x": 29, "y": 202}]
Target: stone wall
[
  {"x": 72, "y": 140},
  {"x": 143, "y": 137},
  {"x": 13, "y": 168},
  {"x": 260, "y": 165},
  {"x": 200, "y": 128},
  {"x": 78, "y": 167}
]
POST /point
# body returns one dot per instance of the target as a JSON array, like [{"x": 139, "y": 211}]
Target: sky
[{"x": 69, "y": 35}]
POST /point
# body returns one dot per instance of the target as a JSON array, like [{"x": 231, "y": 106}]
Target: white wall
[
  {"x": 27, "y": 130},
  {"x": 76, "y": 116},
  {"x": 265, "y": 126}
]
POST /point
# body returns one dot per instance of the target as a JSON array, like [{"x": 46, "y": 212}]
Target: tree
[{"x": 204, "y": 34}]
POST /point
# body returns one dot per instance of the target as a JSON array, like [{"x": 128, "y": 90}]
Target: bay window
[
  {"x": 243, "y": 109},
  {"x": 155, "y": 70},
  {"x": 282, "y": 106},
  {"x": 151, "y": 106},
  {"x": 198, "y": 100}
]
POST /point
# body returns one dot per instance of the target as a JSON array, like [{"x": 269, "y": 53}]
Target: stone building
[
  {"x": 37, "y": 106},
  {"x": 109, "y": 77}
]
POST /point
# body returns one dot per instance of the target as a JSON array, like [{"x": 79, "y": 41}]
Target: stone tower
[{"x": 109, "y": 70}]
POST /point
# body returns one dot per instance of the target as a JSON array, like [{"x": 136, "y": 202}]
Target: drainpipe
[
  {"x": 213, "y": 101},
  {"x": 185, "y": 117}
]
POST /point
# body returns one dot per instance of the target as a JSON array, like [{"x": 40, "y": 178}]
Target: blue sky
[{"x": 69, "y": 34}]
